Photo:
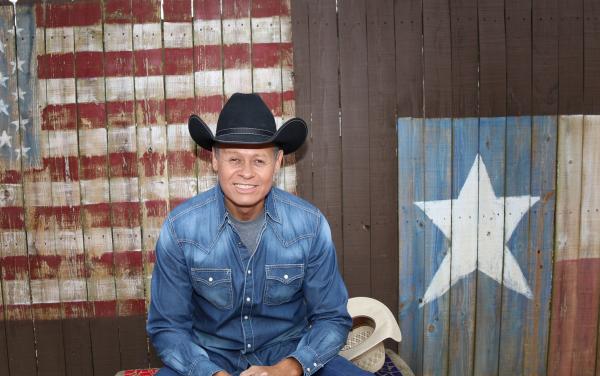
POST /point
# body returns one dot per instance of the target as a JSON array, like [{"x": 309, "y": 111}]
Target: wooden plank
[
  {"x": 208, "y": 78},
  {"x": 324, "y": 96},
  {"x": 17, "y": 340},
  {"x": 591, "y": 45},
  {"x": 124, "y": 184},
  {"x": 382, "y": 146},
  {"x": 465, "y": 67},
  {"x": 518, "y": 56},
  {"x": 436, "y": 302},
  {"x": 570, "y": 342},
  {"x": 301, "y": 61},
  {"x": 570, "y": 57},
  {"x": 411, "y": 240},
  {"x": 408, "y": 24},
  {"x": 354, "y": 87},
  {"x": 66, "y": 194},
  {"x": 237, "y": 38}
]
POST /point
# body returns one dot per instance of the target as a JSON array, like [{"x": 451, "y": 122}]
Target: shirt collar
[{"x": 223, "y": 214}]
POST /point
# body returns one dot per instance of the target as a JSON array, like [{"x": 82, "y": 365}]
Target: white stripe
[
  {"x": 59, "y": 90},
  {"x": 236, "y": 30},
  {"x": 207, "y": 32},
  {"x": 178, "y": 34},
  {"x": 154, "y": 188},
  {"x": 267, "y": 79},
  {"x": 117, "y": 37},
  {"x": 130, "y": 287},
  {"x": 45, "y": 291},
  {"x": 286, "y": 29},
  {"x": 94, "y": 191},
  {"x": 90, "y": 90},
  {"x": 147, "y": 36},
  {"x": 13, "y": 243},
  {"x": 101, "y": 288},
  {"x": 92, "y": 141},
  {"x": 122, "y": 140},
  {"x": 88, "y": 38},
  {"x": 97, "y": 241},
  {"x": 183, "y": 187},
  {"x": 16, "y": 292},
  {"x": 151, "y": 233},
  {"x": 69, "y": 243},
  {"x": 59, "y": 40},
  {"x": 38, "y": 195},
  {"x": 124, "y": 189},
  {"x": 149, "y": 87},
  {"x": 119, "y": 88},
  {"x": 180, "y": 86},
  {"x": 41, "y": 241},
  {"x": 206, "y": 181},
  {"x": 208, "y": 82},
  {"x": 179, "y": 137},
  {"x": 238, "y": 80},
  {"x": 265, "y": 30},
  {"x": 62, "y": 143},
  {"x": 11, "y": 195},
  {"x": 65, "y": 193},
  {"x": 73, "y": 290},
  {"x": 126, "y": 239},
  {"x": 154, "y": 137}
]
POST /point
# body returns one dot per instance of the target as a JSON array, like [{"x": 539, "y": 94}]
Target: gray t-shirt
[{"x": 249, "y": 230}]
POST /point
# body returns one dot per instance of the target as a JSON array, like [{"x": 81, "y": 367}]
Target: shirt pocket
[
  {"x": 282, "y": 282},
  {"x": 214, "y": 285}
]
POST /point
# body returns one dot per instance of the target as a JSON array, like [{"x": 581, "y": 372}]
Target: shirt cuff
[
  {"x": 308, "y": 359},
  {"x": 204, "y": 367}
]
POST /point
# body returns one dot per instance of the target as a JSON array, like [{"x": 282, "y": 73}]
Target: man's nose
[{"x": 247, "y": 170}]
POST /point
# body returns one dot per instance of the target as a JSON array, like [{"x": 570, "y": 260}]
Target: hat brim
[{"x": 289, "y": 137}]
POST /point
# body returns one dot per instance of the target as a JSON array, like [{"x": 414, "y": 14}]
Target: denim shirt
[{"x": 216, "y": 305}]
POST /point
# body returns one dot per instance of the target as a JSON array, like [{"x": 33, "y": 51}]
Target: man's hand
[
  {"x": 221, "y": 373},
  {"x": 287, "y": 367}
]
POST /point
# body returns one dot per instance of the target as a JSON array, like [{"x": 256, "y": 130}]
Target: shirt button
[
  {"x": 249, "y": 271},
  {"x": 315, "y": 364},
  {"x": 245, "y": 317},
  {"x": 249, "y": 345},
  {"x": 248, "y": 299},
  {"x": 210, "y": 279},
  {"x": 308, "y": 369},
  {"x": 285, "y": 276}
]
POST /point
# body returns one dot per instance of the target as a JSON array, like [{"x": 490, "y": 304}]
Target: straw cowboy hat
[
  {"x": 245, "y": 119},
  {"x": 372, "y": 322}
]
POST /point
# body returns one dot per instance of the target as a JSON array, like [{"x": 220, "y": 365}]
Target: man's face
[{"x": 246, "y": 176}]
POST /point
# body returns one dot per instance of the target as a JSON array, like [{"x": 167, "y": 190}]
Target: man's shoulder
[
  {"x": 196, "y": 204},
  {"x": 294, "y": 204}
]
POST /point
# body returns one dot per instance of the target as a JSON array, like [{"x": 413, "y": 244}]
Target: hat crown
[{"x": 246, "y": 112}]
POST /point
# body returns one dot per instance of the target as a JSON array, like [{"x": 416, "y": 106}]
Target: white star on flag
[
  {"x": 18, "y": 65},
  {"x": 19, "y": 94},
  {"x": 22, "y": 152},
  {"x": 22, "y": 121},
  {"x": 477, "y": 236},
  {"x": 3, "y": 79},
  {"x": 3, "y": 107},
  {"x": 5, "y": 139}
]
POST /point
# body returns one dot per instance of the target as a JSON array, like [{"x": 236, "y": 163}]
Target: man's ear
[
  {"x": 215, "y": 162},
  {"x": 279, "y": 160}
]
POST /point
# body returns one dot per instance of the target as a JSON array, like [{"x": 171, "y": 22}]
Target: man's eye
[
  {"x": 260, "y": 162},
  {"x": 234, "y": 160}
]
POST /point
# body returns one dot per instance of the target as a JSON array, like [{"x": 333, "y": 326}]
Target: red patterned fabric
[{"x": 141, "y": 372}]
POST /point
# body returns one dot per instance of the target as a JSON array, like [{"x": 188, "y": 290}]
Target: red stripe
[
  {"x": 236, "y": 8},
  {"x": 59, "y": 117},
  {"x": 125, "y": 214},
  {"x": 207, "y": 9},
  {"x": 150, "y": 111},
  {"x": 66, "y": 217},
  {"x": 120, "y": 114},
  {"x": 117, "y": 11},
  {"x": 179, "y": 110},
  {"x": 63, "y": 169},
  {"x": 45, "y": 266},
  {"x": 105, "y": 308},
  {"x": 174, "y": 202},
  {"x": 19, "y": 312},
  {"x": 15, "y": 267},
  {"x": 268, "y": 8},
  {"x": 145, "y": 11},
  {"x": 47, "y": 311},
  {"x": 273, "y": 101},
  {"x": 179, "y": 61},
  {"x": 89, "y": 64},
  {"x": 148, "y": 62},
  {"x": 73, "y": 310},
  {"x": 289, "y": 95},
  {"x": 153, "y": 163},
  {"x": 156, "y": 208},
  {"x": 96, "y": 215},
  {"x": 92, "y": 115},
  {"x": 177, "y": 10},
  {"x": 236, "y": 56},
  {"x": 181, "y": 163},
  {"x": 12, "y": 218},
  {"x": 267, "y": 55},
  {"x": 211, "y": 104},
  {"x": 10, "y": 177},
  {"x": 118, "y": 63},
  {"x": 207, "y": 57},
  {"x": 93, "y": 167},
  {"x": 71, "y": 14},
  {"x": 56, "y": 66},
  {"x": 123, "y": 164},
  {"x": 132, "y": 307}
]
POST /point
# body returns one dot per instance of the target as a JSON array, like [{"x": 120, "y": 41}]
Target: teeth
[{"x": 244, "y": 186}]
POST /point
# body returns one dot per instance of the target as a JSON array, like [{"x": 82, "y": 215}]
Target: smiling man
[{"x": 246, "y": 280}]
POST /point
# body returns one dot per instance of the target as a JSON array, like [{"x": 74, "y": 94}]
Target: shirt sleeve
[
  {"x": 326, "y": 298},
  {"x": 170, "y": 315}
]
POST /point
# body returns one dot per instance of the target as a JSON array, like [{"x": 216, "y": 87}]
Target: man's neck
[{"x": 244, "y": 213}]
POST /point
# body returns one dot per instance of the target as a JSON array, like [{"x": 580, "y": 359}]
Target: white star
[
  {"x": 22, "y": 152},
  {"x": 3, "y": 107},
  {"x": 3, "y": 79},
  {"x": 22, "y": 121},
  {"x": 477, "y": 224},
  {"x": 5, "y": 139},
  {"x": 19, "y": 93},
  {"x": 18, "y": 65}
]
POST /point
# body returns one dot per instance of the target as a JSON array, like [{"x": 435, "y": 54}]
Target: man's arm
[
  {"x": 170, "y": 314},
  {"x": 326, "y": 298}
]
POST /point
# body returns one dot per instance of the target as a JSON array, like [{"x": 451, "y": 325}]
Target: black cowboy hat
[{"x": 246, "y": 119}]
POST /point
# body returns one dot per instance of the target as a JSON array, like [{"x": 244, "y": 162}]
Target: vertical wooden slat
[
  {"x": 517, "y": 176},
  {"x": 354, "y": 89},
  {"x": 237, "y": 38},
  {"x": 408, "y": 25},
  {"x": 591, "y": 45},
  {"x": 464, "y": 148},
  {"x": 17, "y": 340},
  {"x": 383, "y": 173},
  {"x": 438, "y": 150},
  {"x": 288, "y": 96},
  {"x": 124, "y": 190},
  {"x": 324, "y": 96},
  {"x": 302, "y": 90}
]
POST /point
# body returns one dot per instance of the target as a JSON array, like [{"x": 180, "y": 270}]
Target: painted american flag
[{"x": 94, "y": 148}]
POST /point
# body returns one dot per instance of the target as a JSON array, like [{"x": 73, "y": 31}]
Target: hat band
[{"x": 253, "y": 131}]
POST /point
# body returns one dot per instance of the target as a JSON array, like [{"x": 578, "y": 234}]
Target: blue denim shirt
[{"x": 216, "y": 305}]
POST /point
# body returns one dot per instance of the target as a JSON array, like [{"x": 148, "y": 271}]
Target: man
[{"x": 246, "y": 281}]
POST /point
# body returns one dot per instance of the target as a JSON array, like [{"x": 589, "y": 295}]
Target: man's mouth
[{"x": 244, "y": 186}]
